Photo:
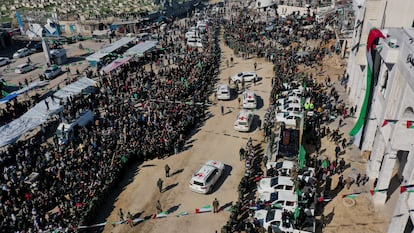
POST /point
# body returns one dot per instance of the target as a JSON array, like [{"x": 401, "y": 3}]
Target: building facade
[{"x": 387, "y": 138}]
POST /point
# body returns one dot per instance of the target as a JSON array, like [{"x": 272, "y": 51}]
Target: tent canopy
[
  {"x": 40, "y": 113},
  {"x": 115, "y": 64},
  {"x": 109, "y": 49},
  {"x": 116, "y": 45},
  {"x": 140, "y": 49}
]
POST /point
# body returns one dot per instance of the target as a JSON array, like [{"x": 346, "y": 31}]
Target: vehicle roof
[
  {"x": 203, "y": 172},
  {"x": 21, "y": 50},
  {"x": 286, "y": 164},
  {"x": 249, "y": 93},
  {"x": 283, "y": 180},
  {"x": 223, "y": 86},
  {"x": 215, "y": 163},
  {"x": 243, "y": 113},
  {"x": 247, "y": 72}
]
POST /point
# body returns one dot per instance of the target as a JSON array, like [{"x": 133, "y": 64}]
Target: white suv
[
  {"x": 247, "y": 76},
  {"x": 205, "y": 178}
]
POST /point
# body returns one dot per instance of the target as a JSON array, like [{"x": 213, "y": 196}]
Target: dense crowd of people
[
  {"x": 288, "y": 42},
  {"x": 139, "y": 114}
]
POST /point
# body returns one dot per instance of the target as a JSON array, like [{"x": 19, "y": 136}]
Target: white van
[
  {"x": 244, "y": 121},
  {"x": 223, "y": 92},
  {"x": 194, "y": 42},
  {"x": 206, "y": 177},
  {"x": 249, "y": 99},
  {"x": 64, "y": 131}
]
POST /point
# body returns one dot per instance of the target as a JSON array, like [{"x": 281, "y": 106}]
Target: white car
[
  {"x": 244, "y": 121},
  {"x": 4, "y": 61},
  {"x": 21, "y": 53},
  {"x": 289, "y": 118},
  {"x": 288, "y": 100},
  {"x": 284, "y": 168},
  {"x": 24, "y": 68},
  {"x": 293, "y": 92},
  {"x": 247, "y": 76},
  {"x": 52, "y": 72},
  {"x": 223, "y": 92},
  {"x": 273, "y": 219},
  {"x": 280, "y": 200},
  {"x": 249, "y": 99},
  {"x": 206, "y": 177},
  {"x": 290, "y": 108},
  {"x": 274, "y": 184}
]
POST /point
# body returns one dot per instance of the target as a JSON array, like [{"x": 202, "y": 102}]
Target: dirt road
[{"x": 216, "y": 139}]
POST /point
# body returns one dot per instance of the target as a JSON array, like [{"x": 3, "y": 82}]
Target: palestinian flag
[
  {"x": 374, "y": 191},
  {"x": 160, "y": 215},
  {"x": 203, "y": 209},
  {"x": 373, "y": 37},
  {"x": 277, "y": 205},
  {"x": 182, "y": 214},
  {"x": 351, "y": 195},
  {"x": 388, "y": 121},
  {"x": 410, "y": 124},
  {"x": 407, "y": 188}
]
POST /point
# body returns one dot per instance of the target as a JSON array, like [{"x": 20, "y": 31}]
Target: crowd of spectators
[
  {"x": 279, "y": 40},
  {"x": 140, "y": 114}
]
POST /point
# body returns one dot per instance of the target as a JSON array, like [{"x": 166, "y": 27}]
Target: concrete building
[{"x": 386, "y": 140}]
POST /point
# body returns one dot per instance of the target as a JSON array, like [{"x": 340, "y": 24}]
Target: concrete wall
[{"x": 399, "y": 13}]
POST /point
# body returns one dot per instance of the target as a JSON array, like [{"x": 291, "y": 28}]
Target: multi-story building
[{"x": 386, "y": 135}]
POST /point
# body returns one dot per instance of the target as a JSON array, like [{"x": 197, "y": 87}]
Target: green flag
[
  {"x": 277, "y": 205},
  {"x": 124, "y": 159},
  {"x": 324, "y": 164},
  {"x": 296, "y": 213},
  {"x": 302, "y": 157}
]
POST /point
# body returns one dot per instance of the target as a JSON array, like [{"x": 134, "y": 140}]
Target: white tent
[
  {"x": 141, "y": 48},
  {"x": 39, "y": 114}
]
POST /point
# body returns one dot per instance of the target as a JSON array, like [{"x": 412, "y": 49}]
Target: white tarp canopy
[
  {"x": 141, "y": 48},
  {"x": 116, "y": 45},
  {"x": 39, "y": 114},
  {"x": 31, "y": 86},
  {"x": 109, "y": 49}
]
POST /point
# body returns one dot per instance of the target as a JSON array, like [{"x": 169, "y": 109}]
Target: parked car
[
  {"x": 278, "y": 183},
  {"x": 290, "y": 108},
  {"x": 273, "y": 218},
  {"x": 284, "y": 168},
  {"x": 244, "y": 121},
  {"x": 249, "y": 99},
  {"x": 223, "y": 92},
  {"x": 52, "y": 72},
  {"x": 280, "y": 200},
  {"x": 21, "y": 53},
  {"x": 24, "y": 68},
  {"x": 4, "y": 61},
  {"x": 247, "y": 76},
  {"x": 35, "y": 47},
  {"x": 206, "y": 177},
  {"x": 289, "y": 118}
]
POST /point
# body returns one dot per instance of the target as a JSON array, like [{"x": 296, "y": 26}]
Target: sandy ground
[{"x": 215, "y": 140}]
